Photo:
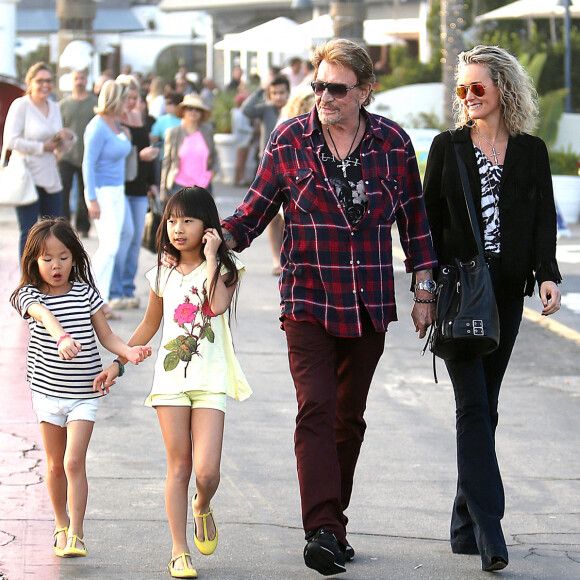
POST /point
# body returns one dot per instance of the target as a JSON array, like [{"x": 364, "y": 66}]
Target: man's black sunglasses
[{"x": 336, "y": 90}]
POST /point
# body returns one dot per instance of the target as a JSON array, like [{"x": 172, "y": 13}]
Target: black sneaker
[
  {"x": 324, "y": 554},
  {"x": 348, "y": 552}
]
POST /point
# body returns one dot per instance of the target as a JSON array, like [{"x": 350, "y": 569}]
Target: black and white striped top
[
  {"x": 490, "y": 177},
  {"x": 46, "y": 371}
]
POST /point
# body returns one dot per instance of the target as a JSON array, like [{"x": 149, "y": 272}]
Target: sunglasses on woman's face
[
  {"x": 188, "y": 108},
  {"x": 336, "y": 90},
  {"x": 477, "y": 89}
]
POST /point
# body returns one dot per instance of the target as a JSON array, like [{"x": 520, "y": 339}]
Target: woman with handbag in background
[
  {"x": 189, "y": 156},
  {"x": 33, "y": 129},
  {"x": 139, "y": 181},
  {"x": 508, "y": 171},
  {"x": 107, "y": 145}
]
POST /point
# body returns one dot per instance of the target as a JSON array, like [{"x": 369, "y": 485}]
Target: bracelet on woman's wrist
[{"x": 61, "y": 339}]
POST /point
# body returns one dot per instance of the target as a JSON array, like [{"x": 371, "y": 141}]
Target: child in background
[
  {"x": 57, "y": 297},
  {"x": 196, "y": 366}
]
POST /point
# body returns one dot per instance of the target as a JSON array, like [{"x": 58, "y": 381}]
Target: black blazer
[{"x": 526, "y": 208}]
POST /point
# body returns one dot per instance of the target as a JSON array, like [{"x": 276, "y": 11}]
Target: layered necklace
[
  {"x": 492, "y": 184},
  {"x": 494, "y": 153},
  {"x": 344, "y": 163}
]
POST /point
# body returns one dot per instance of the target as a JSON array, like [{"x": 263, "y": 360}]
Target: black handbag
[
  {"x": 467, "y": 322},
  {"x": 152, "y": 222}
]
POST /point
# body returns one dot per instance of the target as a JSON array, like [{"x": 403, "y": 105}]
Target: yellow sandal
[
  {"x": 186, "y": 571},
  {"x": 59, "y": 551},
  {"x": 205, "y": 546},
  {"x": 71, "y": 550}
]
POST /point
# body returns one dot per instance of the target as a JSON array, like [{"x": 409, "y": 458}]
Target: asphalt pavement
[{"x": 406, "y": 477}]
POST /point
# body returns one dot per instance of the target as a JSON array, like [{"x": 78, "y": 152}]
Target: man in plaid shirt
[{"x": 343, "y": 177}]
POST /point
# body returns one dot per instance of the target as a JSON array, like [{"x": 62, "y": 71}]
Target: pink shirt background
[{"x": 193, "y": 156}]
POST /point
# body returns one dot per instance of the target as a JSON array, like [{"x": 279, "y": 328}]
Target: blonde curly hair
[{"x": 518, "y": 96}]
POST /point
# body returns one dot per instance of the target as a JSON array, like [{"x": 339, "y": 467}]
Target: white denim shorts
[{"x": 60, "y": 412}]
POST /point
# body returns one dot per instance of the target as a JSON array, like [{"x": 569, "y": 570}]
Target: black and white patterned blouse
[{"x": 490, "y": 177}]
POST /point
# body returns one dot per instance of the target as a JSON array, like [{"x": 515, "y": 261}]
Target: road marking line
[
  {"x": 529, "y": 314},
  {"x": 553, "y": 325}
]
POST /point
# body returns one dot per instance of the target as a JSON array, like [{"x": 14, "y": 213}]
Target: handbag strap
[
  {"x": 4, "y": 148},
  {"x": 468, "y": 199}
]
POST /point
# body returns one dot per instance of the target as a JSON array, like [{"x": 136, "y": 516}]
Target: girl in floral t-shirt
[{"x": 196, "y": 366}]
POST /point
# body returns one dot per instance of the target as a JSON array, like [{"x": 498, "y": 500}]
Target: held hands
[
  {"x": 550, "y": 297},
  {"x": 51, "y": 144},
  {"x": 106, "y": 379},
  {"x": 68, "y": 348},
  {"x": 137, "y": 354}
]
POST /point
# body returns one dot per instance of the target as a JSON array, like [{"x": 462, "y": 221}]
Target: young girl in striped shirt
[{"x": 58, "y": 299}]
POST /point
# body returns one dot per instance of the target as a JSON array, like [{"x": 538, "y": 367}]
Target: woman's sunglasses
[
  {"x": 476, "y": 88},
  {"x": 336, "y": 90}
]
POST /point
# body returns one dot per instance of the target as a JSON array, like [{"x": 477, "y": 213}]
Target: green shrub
[
  {"x": 564, "y": 162},
  {"x": 222, "y": 111}
]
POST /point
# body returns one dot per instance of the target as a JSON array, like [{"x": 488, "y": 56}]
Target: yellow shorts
[{"x": 192, "y": 399}]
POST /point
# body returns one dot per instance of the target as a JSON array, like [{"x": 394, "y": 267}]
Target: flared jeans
[{"x": 479, "y": 502}]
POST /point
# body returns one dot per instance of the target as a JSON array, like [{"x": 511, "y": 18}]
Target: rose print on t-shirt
[{"x": 196, "y": 324}]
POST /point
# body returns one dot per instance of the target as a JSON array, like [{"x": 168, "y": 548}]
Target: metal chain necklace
[
  {"x": 344, "y": 164},
  {"x": 494, "y": 153}
]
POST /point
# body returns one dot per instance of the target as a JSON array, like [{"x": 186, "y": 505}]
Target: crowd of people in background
[{"x": 123, "y": 143}]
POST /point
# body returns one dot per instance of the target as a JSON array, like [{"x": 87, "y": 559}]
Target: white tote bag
[{"x": 16, "y": 184}]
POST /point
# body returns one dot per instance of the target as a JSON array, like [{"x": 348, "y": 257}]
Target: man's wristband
[
  {"x": 430, "y": 301},
  {"x": 121, "y": 367}
]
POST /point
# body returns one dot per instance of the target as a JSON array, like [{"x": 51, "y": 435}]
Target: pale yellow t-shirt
[{"x": 196, "y": 351}]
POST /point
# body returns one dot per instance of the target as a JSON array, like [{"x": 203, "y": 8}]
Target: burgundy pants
[{"x": 332, "y": 377}]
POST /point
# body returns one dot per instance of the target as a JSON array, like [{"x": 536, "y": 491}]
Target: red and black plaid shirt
[{"x": 327, "y": 264}]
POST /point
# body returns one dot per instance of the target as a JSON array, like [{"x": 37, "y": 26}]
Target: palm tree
[{"x": 452, "y": 25}]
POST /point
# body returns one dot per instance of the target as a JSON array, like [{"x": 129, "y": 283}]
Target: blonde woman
[
  {"x": 137, "y": 188},
  {"x": 155, "y": 98},
  {"x": 106, "y": 147},
  {"x": 495, "y": 108},
  {"x": 34, "y": 129}
]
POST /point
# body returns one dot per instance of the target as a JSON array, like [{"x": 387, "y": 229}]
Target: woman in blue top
[{"x": 106, "y": 147}]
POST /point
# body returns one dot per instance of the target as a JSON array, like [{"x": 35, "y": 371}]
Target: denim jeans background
[
  {"x": 67, "y": 174},
  {"x": 127, "y": 258},
  {"x": 47, "y": 205}
]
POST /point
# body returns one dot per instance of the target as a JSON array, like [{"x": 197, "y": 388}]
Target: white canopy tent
[
  {"x": 530, "y": 10},
  {"x": 272, "y": 42},
  {"x": 276, "y": 41}
]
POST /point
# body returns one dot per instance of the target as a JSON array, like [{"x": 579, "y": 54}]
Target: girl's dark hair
[
  {"x": 196, "y": 202},
  {"x": 35, "y": 244}
]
